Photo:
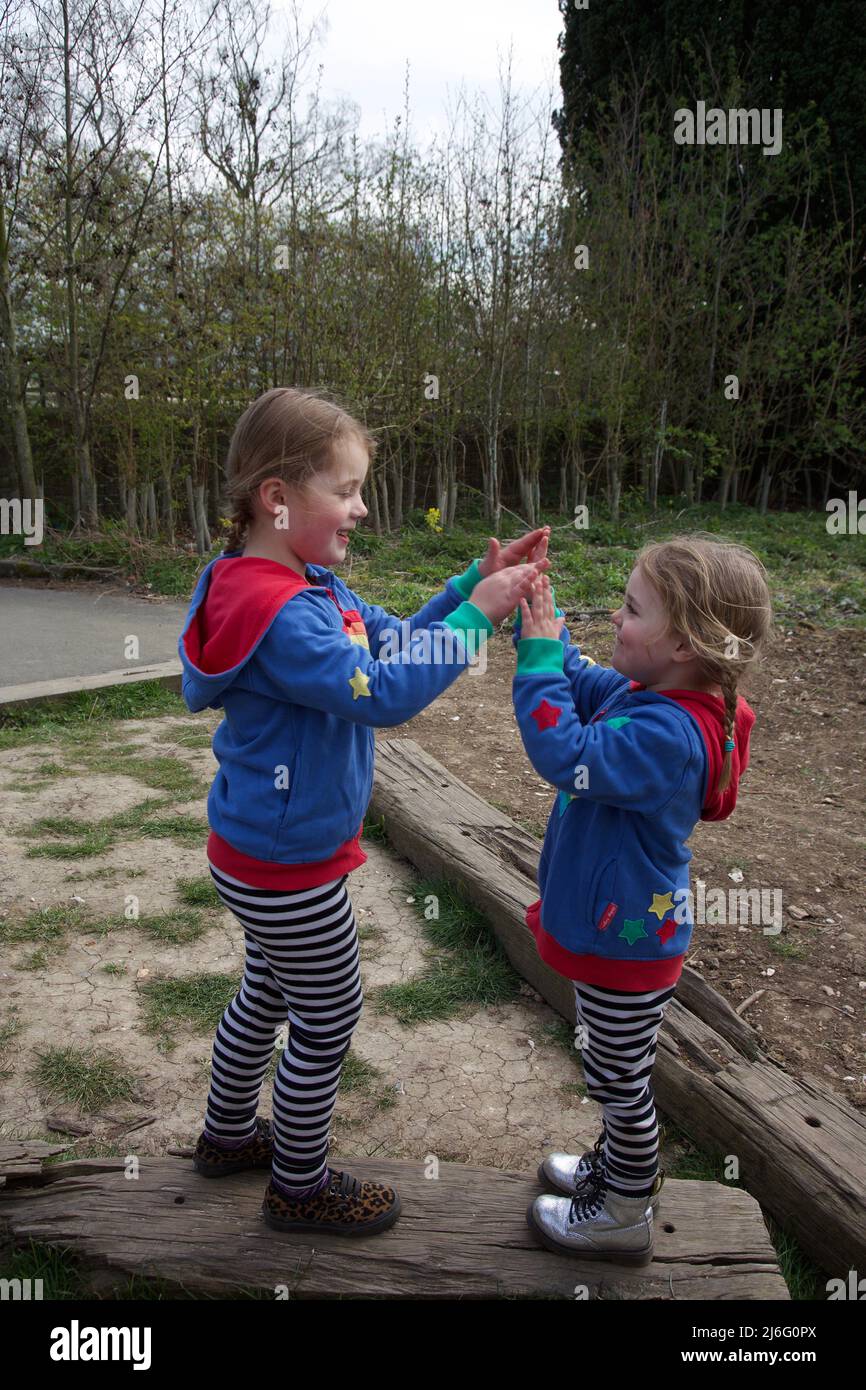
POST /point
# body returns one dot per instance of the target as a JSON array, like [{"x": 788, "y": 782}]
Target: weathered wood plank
[
  {"x": 168, "y": 673},
  {"x": 461, "y": 1235},
  {"x": 801, "y": 1150}
]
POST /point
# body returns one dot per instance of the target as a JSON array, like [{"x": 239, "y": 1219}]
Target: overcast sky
[{"x": 367, "y": 43}]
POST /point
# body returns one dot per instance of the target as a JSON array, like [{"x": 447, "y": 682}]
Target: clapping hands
[{"x": 540, "y": 620}]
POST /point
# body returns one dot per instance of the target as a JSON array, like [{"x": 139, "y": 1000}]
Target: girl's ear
[{"x": 683, "y": 651}]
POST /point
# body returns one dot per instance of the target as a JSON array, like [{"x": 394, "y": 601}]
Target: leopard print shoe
[
  {"x": 214, "y": 1162},
  {"x": 346, "y": 1207}
]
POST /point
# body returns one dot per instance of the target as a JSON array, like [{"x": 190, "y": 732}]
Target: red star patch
[
  {"x": 666, "y": 930},
  {"x": 546, "y": 716}
]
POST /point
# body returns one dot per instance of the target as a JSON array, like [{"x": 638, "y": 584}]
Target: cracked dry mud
[{"x": 484, "y": 1087}]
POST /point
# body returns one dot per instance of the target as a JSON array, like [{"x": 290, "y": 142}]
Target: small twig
[
  {"x": 641, "y": 525},
  {"x": 824, "y": 1003},
  {"x": 751, "y": 999}
]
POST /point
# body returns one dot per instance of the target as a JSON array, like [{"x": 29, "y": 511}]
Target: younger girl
[
  {"x": 277, "y": 641},
  {"x": 639, "y": 753}
]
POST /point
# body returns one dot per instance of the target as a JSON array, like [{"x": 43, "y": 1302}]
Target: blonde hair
[
  {"x": 714, "y": 594},
  {"x": 289, "y": 433}
]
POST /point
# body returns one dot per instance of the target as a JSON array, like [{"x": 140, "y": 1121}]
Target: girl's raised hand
[
  {"x": 528, "y": 549},
  {"x": 540, "y": 620},
  {"x": 498, "y": 594}
]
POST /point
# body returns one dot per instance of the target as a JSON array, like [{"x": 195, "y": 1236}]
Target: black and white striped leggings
[
  {"x": 618, "y": 1048},
  {"x": 302, "y": 962}
]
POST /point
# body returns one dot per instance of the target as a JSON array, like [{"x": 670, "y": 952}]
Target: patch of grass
[
  {"x": 573, "y": 1088},
  {"x": 43, "y": 924},
  {"x": 178, "y": 925},
  {"x": 561, "y": 1034},
  {"x": 9, "y": 1027},
  {"x": 99, "y": 836},
  {"x": 94, "y": 842},
  {"x": 467, "y": 965},
  {"x": 114, "y": 968},
  {"x": 375, "y": 830},
  {"x": 198, "y": 892},
  {"x": 190, "y": 737},
  {"x": 370, "y": 933},
  {"x": 357, "y": 1074},
  {"x": 199, "y": 1000},
  {"x": 83, "y": 1076},
  {"x": 160, "y": 773},
  {"x": 38, "y": 961},
  {"x": 76, "y": 717},
  {"x": 791, "y": 950},
  {"x": 185, "y": 830}
]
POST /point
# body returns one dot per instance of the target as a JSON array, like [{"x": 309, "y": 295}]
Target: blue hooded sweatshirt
[
  {"x": 635, "y": 770},
  {"x": 305, "y": 670}
]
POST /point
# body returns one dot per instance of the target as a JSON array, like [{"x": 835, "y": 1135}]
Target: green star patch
[{"x": 632, "y": 930}]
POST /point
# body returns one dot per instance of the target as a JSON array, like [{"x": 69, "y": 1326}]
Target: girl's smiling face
[
  {"x": 332, "y": 504},
  {"x": 642, "y": 651}
]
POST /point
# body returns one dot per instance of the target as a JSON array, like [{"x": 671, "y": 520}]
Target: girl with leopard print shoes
[{"x": 276, "y": 639}]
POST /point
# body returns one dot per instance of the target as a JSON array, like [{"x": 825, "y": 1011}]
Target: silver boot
[
  {"x": 568, "y": 1172},
  {"x": 596, "y": 1224}
]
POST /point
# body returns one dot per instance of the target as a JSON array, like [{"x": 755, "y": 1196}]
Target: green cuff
[
  {"x": 557, "y": 612},
  {"x": 467, "y": 618},
  {"x": 536, "y": 654},
  {"x": 465, "y": 583}
]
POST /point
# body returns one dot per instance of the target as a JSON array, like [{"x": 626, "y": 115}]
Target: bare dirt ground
[{"x": 798, "y": 827}]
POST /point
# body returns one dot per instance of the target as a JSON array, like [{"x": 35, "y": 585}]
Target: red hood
[
  {"x": 243, "y": 597},
  {"x": 709, "y": 711}
]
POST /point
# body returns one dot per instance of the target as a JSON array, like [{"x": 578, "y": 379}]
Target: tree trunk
[
  {"x": 413, "y": 464},
  {"x": 766, "y": 479},
  {"x": 190, "y": 506},
  {"x": 153, "y": 526},
  {"x": 214, "y": 490},
  {"x": 385, "y": 505},
  {"x": 203, "y": 541},
  {"x": 725, "y": 486},
  {"x": 374, "y": 506},
  {"x": 397, "y": 484}
]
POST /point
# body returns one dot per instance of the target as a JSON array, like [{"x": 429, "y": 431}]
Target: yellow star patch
[
  {"x": 359, "y": 684},
  {"x": 661, "y": 903}
]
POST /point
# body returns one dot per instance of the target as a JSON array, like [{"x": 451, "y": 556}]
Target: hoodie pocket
[
  {"x": 600, "y": 898},
  {"x": 602, "y": 905},
  {"x": 290, "y": 800}
]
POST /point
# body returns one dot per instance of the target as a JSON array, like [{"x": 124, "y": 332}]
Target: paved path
[{"x": 47, "y": 633}]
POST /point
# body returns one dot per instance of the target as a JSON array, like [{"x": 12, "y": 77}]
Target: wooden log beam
[
  {"x": 167, "y": 673},
  {"x": 800, "y": 1150},
  {"x": 462, "y": 1234}
]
